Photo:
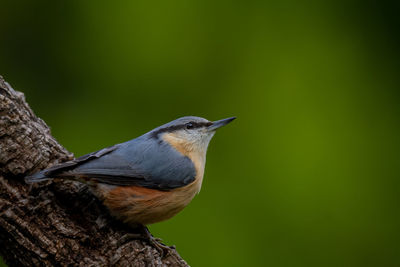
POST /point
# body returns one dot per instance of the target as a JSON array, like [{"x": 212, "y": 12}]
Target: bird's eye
[{"x": 189, "y": 125}]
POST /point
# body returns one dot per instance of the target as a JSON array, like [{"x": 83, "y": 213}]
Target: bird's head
[{"x": 189, "y": 133}]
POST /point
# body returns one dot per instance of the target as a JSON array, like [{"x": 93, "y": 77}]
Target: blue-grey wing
[{"x": 140, "y": 162}]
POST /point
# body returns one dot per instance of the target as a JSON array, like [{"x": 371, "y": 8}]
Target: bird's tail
[{"x": 37, "y": 177}]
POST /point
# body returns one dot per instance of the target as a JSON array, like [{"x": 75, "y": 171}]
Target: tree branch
[{"x": 54, "y": 223}]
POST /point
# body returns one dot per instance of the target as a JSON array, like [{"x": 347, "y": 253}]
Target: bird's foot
[
  {"x": 156, "y": 243},
  {"x": 147, "y": 236}
]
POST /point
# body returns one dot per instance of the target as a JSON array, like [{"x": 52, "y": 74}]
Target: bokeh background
[{"x": 308, "y": 174}]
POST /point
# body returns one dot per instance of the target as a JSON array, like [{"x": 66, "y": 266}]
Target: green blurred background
[{"x": 308, "y": 175}]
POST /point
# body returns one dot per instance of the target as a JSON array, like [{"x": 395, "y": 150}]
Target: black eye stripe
[
  {"x": 180, "y": 127},
  {"x": 194, "y": 125}
]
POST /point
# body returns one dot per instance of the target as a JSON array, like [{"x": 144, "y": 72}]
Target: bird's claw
[
  {"x": 157, "y": 244},
  {"x": 147, "y": 236}
]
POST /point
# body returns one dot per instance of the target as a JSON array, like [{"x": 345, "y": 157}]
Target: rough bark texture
[{"x": 54, "y": 223}]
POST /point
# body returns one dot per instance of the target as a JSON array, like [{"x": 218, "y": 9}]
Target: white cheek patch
[{"x": 197, "y": 140}]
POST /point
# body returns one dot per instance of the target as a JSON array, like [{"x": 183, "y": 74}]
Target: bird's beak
[{"x": 219, "y": 124}]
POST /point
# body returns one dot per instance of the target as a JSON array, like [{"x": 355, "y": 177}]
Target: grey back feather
[{"x": 144, "y": 161}]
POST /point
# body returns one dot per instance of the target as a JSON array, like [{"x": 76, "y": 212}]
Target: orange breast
[{"x": 137, "y": 205}]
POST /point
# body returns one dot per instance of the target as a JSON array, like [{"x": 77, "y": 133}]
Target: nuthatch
[{"x": 148, "y": 179}]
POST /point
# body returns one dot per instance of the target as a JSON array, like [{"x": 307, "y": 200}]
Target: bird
[{"x": 148, "y": 179}]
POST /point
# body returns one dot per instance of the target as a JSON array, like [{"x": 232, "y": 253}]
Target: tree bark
[{"x": 55, "y": 223}]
